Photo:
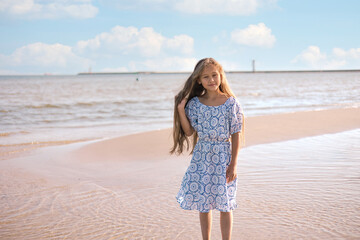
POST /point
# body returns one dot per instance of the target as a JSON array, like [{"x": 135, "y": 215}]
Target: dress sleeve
[
  {"x": 191, "y": 113},
  {"x": 236, "y": 118}
]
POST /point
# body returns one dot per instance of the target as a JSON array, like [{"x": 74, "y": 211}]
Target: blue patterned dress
[{"x": 204, "y": 186}]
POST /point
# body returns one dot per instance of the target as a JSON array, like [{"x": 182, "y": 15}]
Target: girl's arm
[
  {"x": 231, "y": 172},
  {"x": 185, "y": 124}
]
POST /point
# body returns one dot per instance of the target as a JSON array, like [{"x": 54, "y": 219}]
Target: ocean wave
[
  {"x": 7, "y": 134},
  {"x": 15, "y": 150},
  {"x": 91, "y": 104},
  {"x": 43, "y": 106},
  {"x": 62, "y": 105},
  {"x": 253, "y": 110},
  {"x": 47, "y": 143},
  {"x": 98, "y": 105}
]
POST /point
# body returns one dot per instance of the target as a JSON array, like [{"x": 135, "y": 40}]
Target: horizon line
[{"x": 182, "y": 72}]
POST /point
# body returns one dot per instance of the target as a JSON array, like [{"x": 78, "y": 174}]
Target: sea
[{"x": 48, "y": 110}]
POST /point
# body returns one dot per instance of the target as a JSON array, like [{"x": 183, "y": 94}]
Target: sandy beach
[{"x": 125, "y": 187}]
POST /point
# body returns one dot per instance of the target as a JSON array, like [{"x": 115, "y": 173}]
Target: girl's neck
[{"x": 213, "y": 94}]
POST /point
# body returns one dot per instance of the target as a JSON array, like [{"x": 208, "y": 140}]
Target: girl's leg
[
  {"x": 205, "y": 223},
  {"x": 226, "y": 220}
]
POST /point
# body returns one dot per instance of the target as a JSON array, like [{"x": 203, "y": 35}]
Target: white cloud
[
  {"x": 254, "y": 35},
  {"x": 40, "y": 9},
  {"x": 340, "y": 58},
  {"x": 218, "y": 7},
  {"x": 119, "y": 50},
  {"x": 140, "y": 4},
  {"x": 353, "y": 53},
  {"x": 132, "y": 41},
  {"x": 311, "y": 56},
  {"x": 45, "y": 57},
  {"x": 182, "y": 43},
  {"x": 234, "y": 7},
  {"x": 333, "y": 64}
]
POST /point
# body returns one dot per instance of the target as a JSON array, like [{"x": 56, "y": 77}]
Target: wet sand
[{"x": 124, "y": 188}]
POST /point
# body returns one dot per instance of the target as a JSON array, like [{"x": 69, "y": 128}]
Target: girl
[{"x": 206, "y": 109}]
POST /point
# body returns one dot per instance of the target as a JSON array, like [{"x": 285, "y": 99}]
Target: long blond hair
[{"x": 191, "y": 89}]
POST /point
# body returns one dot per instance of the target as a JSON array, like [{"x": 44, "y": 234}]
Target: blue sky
[{"x": 71, "y": 36}]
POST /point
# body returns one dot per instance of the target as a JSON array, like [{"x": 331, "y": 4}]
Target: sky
[{"x": 72, "y": 36}]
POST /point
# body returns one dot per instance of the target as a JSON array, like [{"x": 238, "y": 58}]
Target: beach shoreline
[
  {"x": 293, "y": 125},
  {"x": 258, "y": 130}
]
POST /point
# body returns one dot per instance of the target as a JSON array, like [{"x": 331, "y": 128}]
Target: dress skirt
[{"x": 204, "y": 186}]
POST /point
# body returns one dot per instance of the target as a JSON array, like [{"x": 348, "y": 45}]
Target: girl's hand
[
  {"x": 231, "y": 173},
  {"x": 182, "y": 104}
]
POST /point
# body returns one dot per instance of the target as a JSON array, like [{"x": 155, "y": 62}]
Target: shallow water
[
  {"x": 303, "y": 189},
  {"x": 300, "y": 189}
]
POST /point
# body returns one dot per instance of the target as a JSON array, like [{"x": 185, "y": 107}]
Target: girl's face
[{"x": 210, "y": 78}]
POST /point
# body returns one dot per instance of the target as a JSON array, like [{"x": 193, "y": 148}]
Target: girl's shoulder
[
  {"x": 232, "y": 101},
  {"x": 192, "y": 103},
  {"x": 234, "y": 104}
]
